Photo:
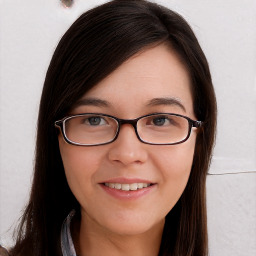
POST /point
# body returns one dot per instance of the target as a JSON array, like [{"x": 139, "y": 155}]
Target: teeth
[
  {"x": 127, "y": 187},
  {"x": 111, "y": 185},
  {"x": 133, "y": 186},
  {"x": 140, "y": 185},
  {"x": 116, "y": 185}
]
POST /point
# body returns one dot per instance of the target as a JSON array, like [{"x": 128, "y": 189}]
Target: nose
[{"x": 127, "y": 149}]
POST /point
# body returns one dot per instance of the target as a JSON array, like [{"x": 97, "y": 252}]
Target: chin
[{"x": 132, "y": 225}]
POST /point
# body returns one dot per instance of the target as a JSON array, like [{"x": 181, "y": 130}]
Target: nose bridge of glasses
[{"x": 132, "y": 122}]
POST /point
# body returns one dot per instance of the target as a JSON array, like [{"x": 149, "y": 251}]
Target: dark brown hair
[{"x": 95, "y": 45}]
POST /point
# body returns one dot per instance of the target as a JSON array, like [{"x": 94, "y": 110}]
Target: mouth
[
  {"x": 123, "y": 188},
  {"x": 127, "y": 187}
]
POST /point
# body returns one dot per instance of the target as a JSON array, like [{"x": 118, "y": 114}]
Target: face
[{"x": 130, "y": 92}]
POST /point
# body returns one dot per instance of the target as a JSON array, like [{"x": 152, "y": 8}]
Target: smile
[{"x": 127, "y": 187}]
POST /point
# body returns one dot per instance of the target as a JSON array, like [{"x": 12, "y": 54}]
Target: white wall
[{"x": 29, "y": 32}]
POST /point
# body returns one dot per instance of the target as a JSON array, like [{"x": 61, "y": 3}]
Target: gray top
[{"x": 67, "y": 246}]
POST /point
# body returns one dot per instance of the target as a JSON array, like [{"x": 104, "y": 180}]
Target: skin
[{"x": 131, "y": 227}]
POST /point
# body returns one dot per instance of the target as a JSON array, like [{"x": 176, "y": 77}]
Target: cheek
[
  {"x": 80, "y": 165},
  {"x": 177, "y": 159},
  {"x": 174, "y": 164}
]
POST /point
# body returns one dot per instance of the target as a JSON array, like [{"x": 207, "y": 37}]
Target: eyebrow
[
  {"x": 153, "y": 102},
  {"x": 91, "y": 102},
  {"x": 166, "y": 101}
]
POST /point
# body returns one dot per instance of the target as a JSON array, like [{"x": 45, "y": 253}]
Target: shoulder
[{"x": 3, "y": 251}]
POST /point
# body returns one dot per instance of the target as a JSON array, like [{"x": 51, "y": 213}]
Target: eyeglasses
[{"x": 92, "y": 129}]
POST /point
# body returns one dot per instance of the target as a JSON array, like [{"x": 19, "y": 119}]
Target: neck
[{"x": 92, "y": 239}]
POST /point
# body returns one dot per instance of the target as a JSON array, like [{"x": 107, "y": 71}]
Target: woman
[{"x": 125, "y": 134}]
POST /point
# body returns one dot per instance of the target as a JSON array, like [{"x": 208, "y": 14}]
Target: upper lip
[{"x": 123, "y": 180}]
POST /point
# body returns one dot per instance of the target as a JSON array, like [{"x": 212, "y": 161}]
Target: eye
[
  {"x": 161, "y": 121},
  {"x": 95, "y": 121}
]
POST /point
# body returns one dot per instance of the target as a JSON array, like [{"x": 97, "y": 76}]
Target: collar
[{"x": 67, "y": 246}]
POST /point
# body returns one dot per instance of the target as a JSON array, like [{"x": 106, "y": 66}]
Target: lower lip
[{"x": 127, "y": 195}]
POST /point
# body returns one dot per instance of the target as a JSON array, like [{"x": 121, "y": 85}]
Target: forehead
[{"x": 153, "y": 73}]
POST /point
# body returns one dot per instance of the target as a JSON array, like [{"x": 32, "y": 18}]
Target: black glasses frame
[{"x": 61, "y": 125}]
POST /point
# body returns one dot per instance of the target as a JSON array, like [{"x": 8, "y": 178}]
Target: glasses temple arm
[{"x": 197, "y": 124}]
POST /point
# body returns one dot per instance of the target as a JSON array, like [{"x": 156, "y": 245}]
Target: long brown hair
[{"x": 95, "y": 45}]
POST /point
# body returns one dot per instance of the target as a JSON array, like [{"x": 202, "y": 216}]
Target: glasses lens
[
  {"x": 90, "y": 129},
  {"x": 163, "y": 129}
]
